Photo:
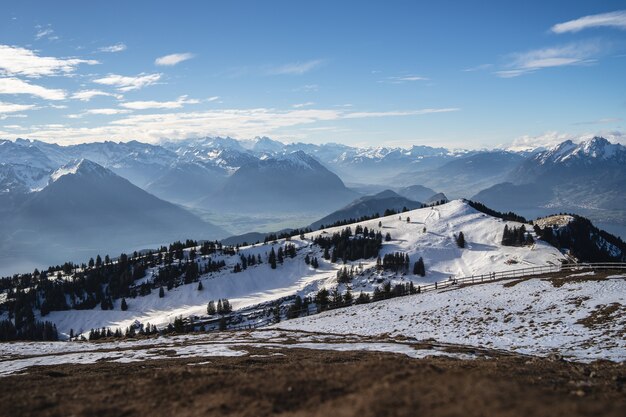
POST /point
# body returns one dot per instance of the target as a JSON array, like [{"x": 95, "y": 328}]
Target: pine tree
[
  {"x": 211, "y": 308},
  {"x": 200, "y": 287},
  {"x": 460, "y": 240},
  {"x": 161, "y": 292},
  {"x": 280, "y": 256},
  {"x": 272, "y": 259},
  {"x": 124, "y": 305}
]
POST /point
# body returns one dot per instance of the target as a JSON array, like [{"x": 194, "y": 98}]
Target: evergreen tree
[
  {"x": 211, "y": 308},
  {"x": 280, "y": 255},
  {"x": 124, "y": 305},
  {"x": 272, "y": 259},
  {"x": 161, "y": 292},
  {"x": 460, "y": 240},
  {"x": 200, "y": 287}
]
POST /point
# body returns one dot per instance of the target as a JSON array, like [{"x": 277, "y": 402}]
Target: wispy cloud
[
  {"x": 14, "y": 108},
  {"x": 481, "y": 67},
  {"x": 404, "y": 79},
  {"x": 296, "y": 68},
  {"x": 613, "y": 19},
  {"x": 605, "y": 120},
  {"x": 143, "y": 105},
  {"x": 87, "y": 95},
  {"x": 306, "y": 88},
  {"x": 13, "y": 85},
  {"x": 550, "y": 139},
  {"x": 107, "y": 112},
  {"x": 173, "y": 59},
  {"x": 300, "y": 105},
  {"x": 360, "y": 115},
  {"x": 118, "y": 47},
  {"x": 20, "y": 61},
  {"x": 578, "y": 53},
  {"x": 231, "y": 122},
  {"x": 126, "y": 83},
  {"x": 45, "y": 32}
]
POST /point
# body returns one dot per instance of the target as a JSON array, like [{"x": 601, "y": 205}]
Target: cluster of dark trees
[
  {"x": 387, "y": 291},
  {"x": 222, "y": 307},
  {"x": 345, "y": 275},
  {"x": 419, "y": 268},
  {"x": 311, "y": 261},
  {"x": 584, "y": 241},
  {"x": 326, "y": 300},
  {"x": 397, "y": 262},
  {"x": 514, "y": 236},
  {"x": 347, "y": 246},
  {"x": 510, "y": 216},
  {"x": 30, "y": 330},
  {"x": 273, "y": 237}
]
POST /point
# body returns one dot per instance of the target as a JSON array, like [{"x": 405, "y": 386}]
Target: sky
[{"x": 460, "y": 74}]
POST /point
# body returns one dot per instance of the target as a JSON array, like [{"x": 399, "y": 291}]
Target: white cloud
[
  {"x": 124, "y": 83},
  {"x": 86, "y": 95},
  {"x": 579, "y": 53},
  {"x": 296, "y": 68},
  {"x": 107, "y": 111},
  {"x": 45, "y": 32},
  {"x": 14, "y": 108},
  {"x": 20, "y": 61},
  {"x": 404, "y": 78},
  {"x": 613, "y": 19},
  {"x": 604, "y": 120},
  {"x": 13, "y": 85},
  {"x": 228, "y": 122},
  {"x": 359, "y": 115},
  {"x": 300, "y": 105},
  {"x": 143, "y": 105},
  {"x": 480, "y": 67},
  {"x": 213, "y": 98},
  {"x": 550, "y": 139},
  {"x": 118, "y": 47},
  {"x": 307, "y": 88},
  {"x": 173, "y": 59}
]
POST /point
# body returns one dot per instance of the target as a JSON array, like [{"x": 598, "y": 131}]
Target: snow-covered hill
[
  {"x": 577, "y": 318},
  {"x": 428, "y": 233}
]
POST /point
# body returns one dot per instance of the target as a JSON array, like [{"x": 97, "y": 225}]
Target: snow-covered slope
[
  {"x": 427, "y": 233},
  {"x": 582, "y": 320}
]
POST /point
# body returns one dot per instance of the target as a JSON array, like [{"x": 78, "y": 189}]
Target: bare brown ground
[{"x": 319, "y": 383}]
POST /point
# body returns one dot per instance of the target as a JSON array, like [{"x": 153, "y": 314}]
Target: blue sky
[{"x": 457, "y": 74}]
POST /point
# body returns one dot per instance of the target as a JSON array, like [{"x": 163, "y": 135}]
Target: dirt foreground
[{"x": 299, "y": 382}]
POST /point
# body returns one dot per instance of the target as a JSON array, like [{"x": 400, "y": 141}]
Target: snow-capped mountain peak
[
  {"x": 83, "y": 167},
  {"x": 596, "y": 148}
]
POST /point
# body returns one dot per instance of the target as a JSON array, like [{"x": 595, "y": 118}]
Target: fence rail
[{"x": 522, "y": 273}]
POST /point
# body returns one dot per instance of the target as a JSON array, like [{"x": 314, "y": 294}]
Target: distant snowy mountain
[
  {"x": 588, "y": 178},
  {"x": 294, "y": 181},
  {"x": 465, "y": 174}
]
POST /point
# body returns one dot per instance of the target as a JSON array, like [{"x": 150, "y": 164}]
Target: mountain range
[{"x": 231, "y": 186}]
